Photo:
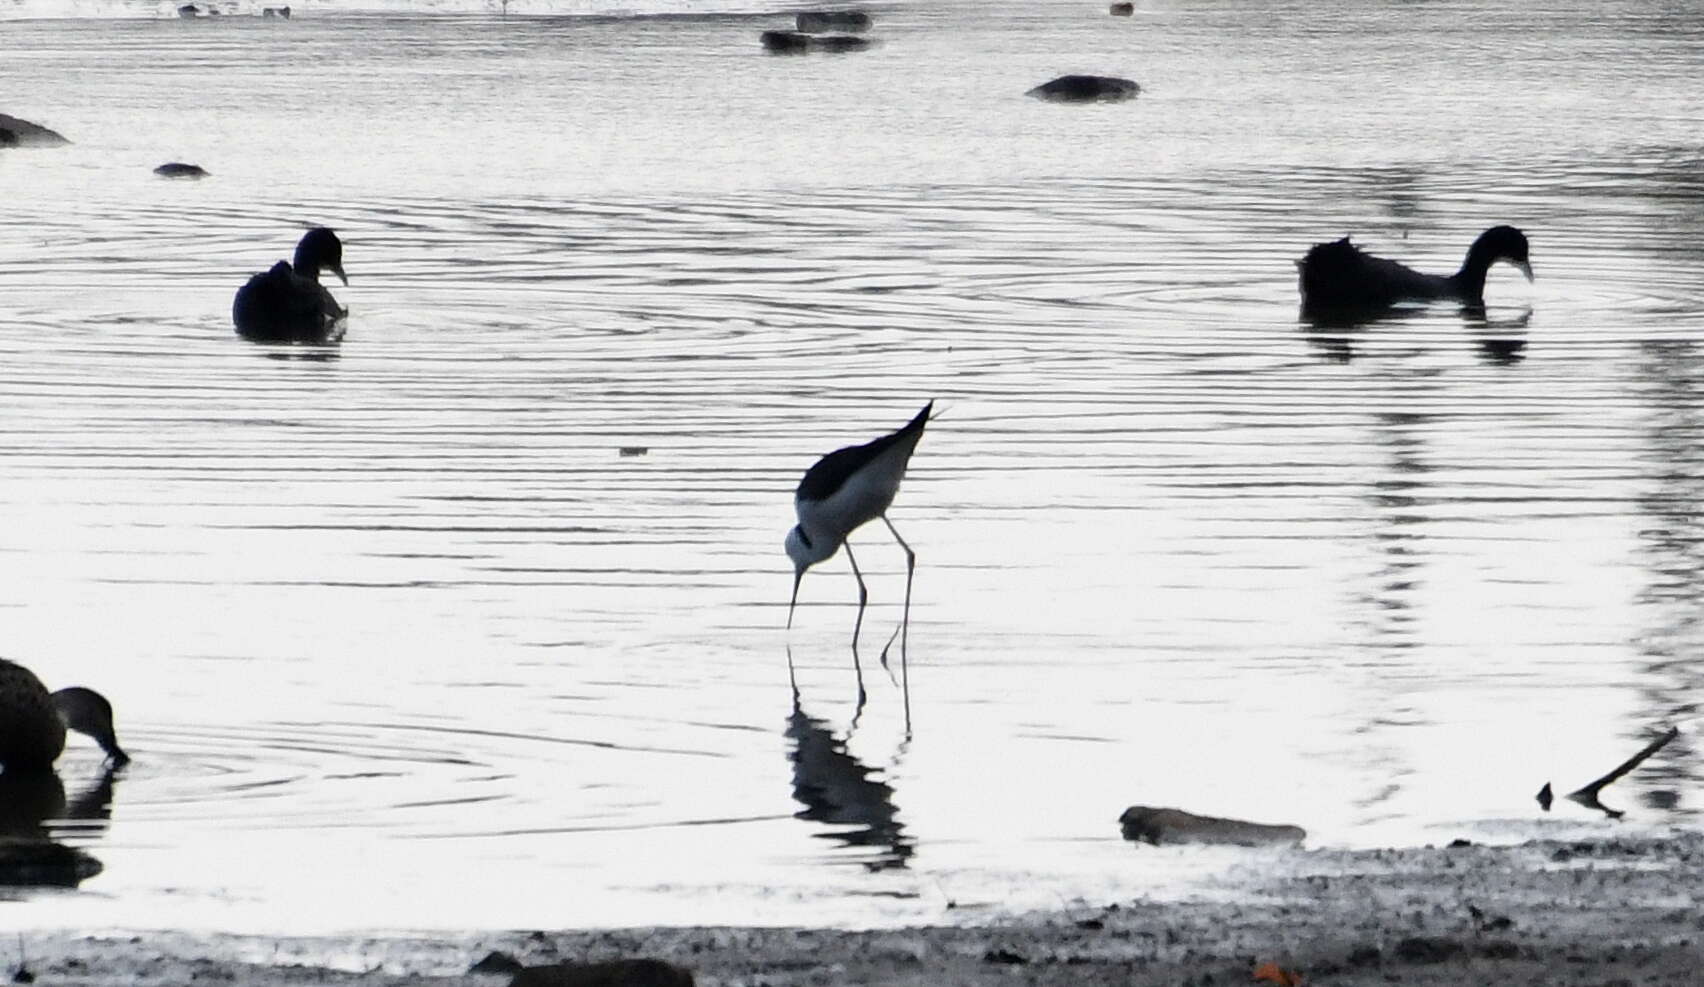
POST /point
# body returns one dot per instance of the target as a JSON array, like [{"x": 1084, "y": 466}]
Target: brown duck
[{"x": 33, "y": 721}]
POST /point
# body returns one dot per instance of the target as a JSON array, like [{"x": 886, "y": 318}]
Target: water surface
[{"x": 476, "y": 620}]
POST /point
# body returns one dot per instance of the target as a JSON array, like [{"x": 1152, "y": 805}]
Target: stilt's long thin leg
[
  {"x": 858, "y": 625},
  {"x": 904, "y": 622}
]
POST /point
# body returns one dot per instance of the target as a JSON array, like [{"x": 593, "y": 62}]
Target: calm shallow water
[{"x": 401, "y": 638}]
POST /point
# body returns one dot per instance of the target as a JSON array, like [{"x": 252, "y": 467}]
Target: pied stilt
[{"x": 843, "y": 490}]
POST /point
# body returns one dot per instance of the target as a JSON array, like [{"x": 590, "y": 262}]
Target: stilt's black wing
[{"x": 823, "y": 479}]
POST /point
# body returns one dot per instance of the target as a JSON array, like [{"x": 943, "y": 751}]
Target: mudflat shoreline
[{"x": 1609, "y": 911}]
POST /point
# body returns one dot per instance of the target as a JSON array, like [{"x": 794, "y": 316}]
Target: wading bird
[
  {"x": 843, "y": 490},
  {"x": 288, "y": 304},
  {"x": 33, "y": 721},
  {"x": 1341, "y": 278}
]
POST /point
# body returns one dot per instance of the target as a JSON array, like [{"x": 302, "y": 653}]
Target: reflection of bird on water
[
  {"x": 1339, "y": 278},
  {"x": 30, "y": 798},
  {"x": 33, "y": 721},
  {"x": 836, "y": 788},
  {"x": 1497, "y": 340},
  {"x": 287, "y": 304},
  {"x": 843, "y": 490}
]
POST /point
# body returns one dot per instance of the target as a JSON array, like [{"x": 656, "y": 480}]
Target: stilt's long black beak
[{"x": 798, "y": 577}]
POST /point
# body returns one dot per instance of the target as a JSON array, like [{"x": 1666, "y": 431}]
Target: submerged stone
[
  {"x": 1086, "y": 89},
  {"x": 26, "y": 134}
]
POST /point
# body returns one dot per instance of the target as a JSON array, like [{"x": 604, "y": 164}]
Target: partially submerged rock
[
  {"x": 616, "y": 973},
  {"x": 497, "y": 961},
  {"x": 283, "y": 12},
  {"x": 795, "y": 43},
  {"x": 1086, "y": 89},
  {"x": 1122, "y": 9},
  {"x": 27, "y": 134},
  {"x": 818, "y": 21},
  {"x": 178, "y": 169},
  {"x": 1147, "y": 824}
]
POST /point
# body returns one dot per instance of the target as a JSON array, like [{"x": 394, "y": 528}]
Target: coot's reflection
[
  {"x": 1500, "y": 341},
  {"x": 836, "y": 788}
]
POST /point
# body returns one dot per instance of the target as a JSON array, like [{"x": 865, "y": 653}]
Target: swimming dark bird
[
  {"x": 33, "y": 721},
  {"x": 288, "y": 304},
  {"x": 842, "y": 491},
  {"x": 1339, "y": 277}
]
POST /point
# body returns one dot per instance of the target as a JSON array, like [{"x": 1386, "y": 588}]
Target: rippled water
[{"x": 476, "y": 619}]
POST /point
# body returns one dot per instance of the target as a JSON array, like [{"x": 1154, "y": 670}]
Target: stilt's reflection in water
[{"x": 836, "y": 788}]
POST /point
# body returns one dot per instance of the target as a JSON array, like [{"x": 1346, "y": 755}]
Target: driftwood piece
[
  {"x": 1147, "y": 824},
  {"x": 1588, "y": 796}
]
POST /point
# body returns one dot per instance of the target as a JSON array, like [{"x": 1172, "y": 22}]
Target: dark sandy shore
[{"x": 1615, "y": 911}]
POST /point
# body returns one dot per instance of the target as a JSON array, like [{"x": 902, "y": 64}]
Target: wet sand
[{"x": 1619, "y": 910}]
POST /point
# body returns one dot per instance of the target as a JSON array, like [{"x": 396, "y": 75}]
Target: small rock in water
[
  {"x": 635, "y": 450},
  {"x": 283, "y": 12},
  {"x": 785, "y": 42},
  {"x": 1122, "y": 9},
  {"x": 1086, "y": 89},
  {"x": 497, "y": 961},
  {"x": 177, "y": 169}
]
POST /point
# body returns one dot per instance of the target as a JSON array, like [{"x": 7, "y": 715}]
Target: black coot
[{"x": 288, "y": 304}]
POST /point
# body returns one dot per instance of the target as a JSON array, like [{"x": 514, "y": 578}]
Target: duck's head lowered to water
[
  {"x": 1495, "y": 244},
  {"x": 88, "y": 712}
]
